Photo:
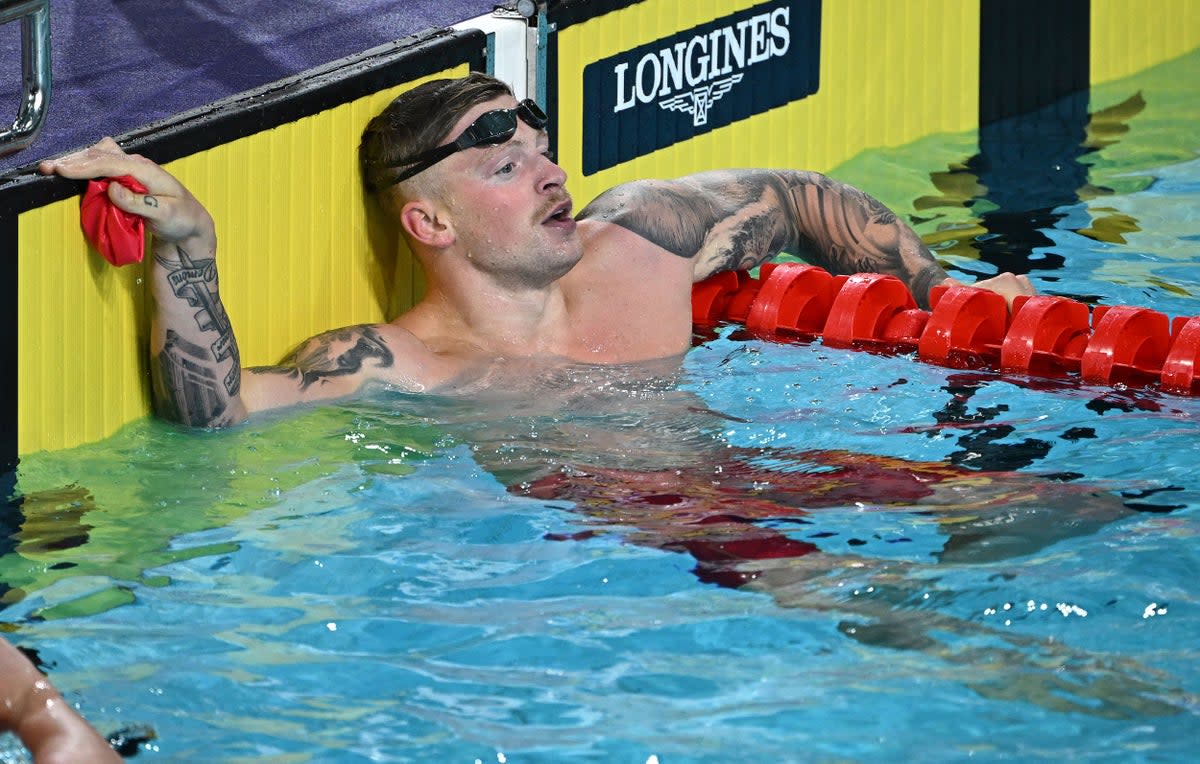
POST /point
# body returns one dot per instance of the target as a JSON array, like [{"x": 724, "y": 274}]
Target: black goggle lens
[
  {"x": 532, "y": 114},
  {"x": 491, "y": 128}
]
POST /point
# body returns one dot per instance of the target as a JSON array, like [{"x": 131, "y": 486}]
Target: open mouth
[{"x": 559, "y": 215}]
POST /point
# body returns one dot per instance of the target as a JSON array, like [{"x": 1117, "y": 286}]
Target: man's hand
[
  {"x": 1007, "y": 285},
  {"x": 169, "y": 209}
]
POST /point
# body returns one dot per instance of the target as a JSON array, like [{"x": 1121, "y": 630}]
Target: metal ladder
[{"x": 35, "y": 71}]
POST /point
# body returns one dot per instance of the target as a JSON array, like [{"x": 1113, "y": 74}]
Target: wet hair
[{"x": 418, "y": 120}]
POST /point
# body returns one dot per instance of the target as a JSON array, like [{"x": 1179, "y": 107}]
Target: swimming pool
[{"x": 735, "y": 564}]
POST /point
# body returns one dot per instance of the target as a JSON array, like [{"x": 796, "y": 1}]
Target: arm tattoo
[
  {"x": 675, "y": 216},
  {"x": 185, "y": 372},
  {"x": 185, "y": 384},
  {"x": 730, "y": 219},
  {"x": 337, "y": 353},
  {"x": 847, "y": 231},
  {"x": 737, "y": 219},
  {"x": 196, "y": 282}
]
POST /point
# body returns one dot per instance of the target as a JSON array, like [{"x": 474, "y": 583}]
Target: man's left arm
[{"x": 738, "y": 219}]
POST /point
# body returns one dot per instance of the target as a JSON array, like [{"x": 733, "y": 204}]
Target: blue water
[
  {"x": 383, "y": 581},
  {"x": 427, "y": 616}
]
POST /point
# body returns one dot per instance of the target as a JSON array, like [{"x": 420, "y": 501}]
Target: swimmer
[
  {"x": 512, "y": 272},
  {"x": 44, "y": 721}
]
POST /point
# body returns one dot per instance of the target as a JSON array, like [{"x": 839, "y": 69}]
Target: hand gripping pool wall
[{"x": 301, "y": 249}]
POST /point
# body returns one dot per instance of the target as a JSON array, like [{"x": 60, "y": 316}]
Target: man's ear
[{"x": 426, "y": 224}]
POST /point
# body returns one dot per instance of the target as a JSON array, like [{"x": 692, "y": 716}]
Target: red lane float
[
  {"x": 794, "y": 298},
  {"x": 967, "y": 327},
  {"x": 1128, "y": 345},
  {"x": 724, "y": 297},
  {"x": 1179, "y": 370},
  {"x": 1047, "y": 336},
  {"x": 873, "y": 310}
]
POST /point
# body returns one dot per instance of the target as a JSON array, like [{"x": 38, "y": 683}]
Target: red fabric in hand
[{"x": 118, "y": 235}]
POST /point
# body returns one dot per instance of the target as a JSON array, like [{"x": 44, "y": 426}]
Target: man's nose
[{"x": 551, "y": 175}]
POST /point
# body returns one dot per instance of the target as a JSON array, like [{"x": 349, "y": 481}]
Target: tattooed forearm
[
  {"x": 186, "y": 387},
  {"x": 196, "y": 282},
  {"x": 848, "y": 231},
  {"x": 197, "y": 370},
  {"x": 337, "y": 353}
]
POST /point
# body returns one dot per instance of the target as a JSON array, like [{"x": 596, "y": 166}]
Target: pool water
[{"x": 780, "y": 552}]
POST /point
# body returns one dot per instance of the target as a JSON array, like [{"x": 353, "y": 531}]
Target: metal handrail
[{"x": 35, "y": 71}]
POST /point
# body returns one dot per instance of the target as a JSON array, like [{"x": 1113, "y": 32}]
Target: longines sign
[{"x": 700, "y": 79}]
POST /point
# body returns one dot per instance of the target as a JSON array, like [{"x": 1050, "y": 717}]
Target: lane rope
[{"x": 966, "y": 327}]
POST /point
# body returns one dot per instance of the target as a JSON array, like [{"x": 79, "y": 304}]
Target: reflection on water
[
  {"x": 1089, "y": 165},
  {"x": 1016, "y": 188}
]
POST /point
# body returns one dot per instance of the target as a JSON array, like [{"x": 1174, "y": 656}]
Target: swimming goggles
[{"x": 491, "y": 128}]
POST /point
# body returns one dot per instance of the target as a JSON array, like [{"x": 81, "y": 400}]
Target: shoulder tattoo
[
  {"x": 341, "y": 352},
  {"x": 731, "y": 216}
]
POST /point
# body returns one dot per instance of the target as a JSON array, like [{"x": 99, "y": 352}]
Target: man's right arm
[
  {"x": 196, "y": 370},
  {"x": 194, "y": 360},
  {"x": 195, "y": 365}
]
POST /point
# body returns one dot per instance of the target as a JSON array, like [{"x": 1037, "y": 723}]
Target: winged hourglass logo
[{"x": 697, "y": 101}]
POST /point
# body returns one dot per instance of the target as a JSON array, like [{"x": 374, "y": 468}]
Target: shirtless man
[
  {"x": 42, "y": 719},
  {"x": 465, "y": 172}
]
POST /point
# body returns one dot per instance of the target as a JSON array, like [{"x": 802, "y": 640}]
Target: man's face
[{"x": 509, "y": 203}]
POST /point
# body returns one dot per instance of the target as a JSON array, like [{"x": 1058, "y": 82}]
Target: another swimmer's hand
[
  {"x": 1007, "y": 285},
  {"x": 170, "y": 210},
  {"x": 43, "y": 720}
]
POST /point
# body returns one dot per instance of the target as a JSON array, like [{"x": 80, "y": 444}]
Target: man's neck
[{"x": 495, "y": 319}]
